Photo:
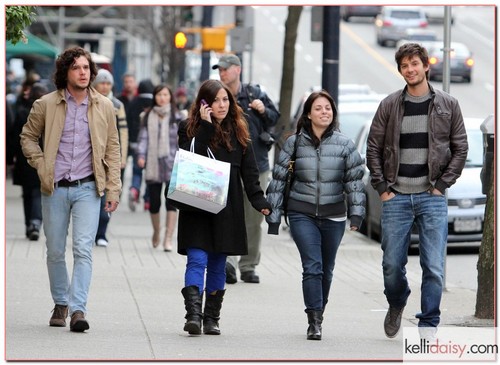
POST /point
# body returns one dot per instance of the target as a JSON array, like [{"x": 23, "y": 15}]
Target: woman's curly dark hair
[{"x": 64, "y": 62}]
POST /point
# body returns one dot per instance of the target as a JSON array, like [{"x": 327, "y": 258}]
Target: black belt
[{"x": 66, "y": 183}]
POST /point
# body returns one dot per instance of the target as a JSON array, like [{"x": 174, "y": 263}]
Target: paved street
[{"x": 136, "y": 310}]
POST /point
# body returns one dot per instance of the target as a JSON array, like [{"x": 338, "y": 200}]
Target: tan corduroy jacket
[{"x": 46, "y": 121}]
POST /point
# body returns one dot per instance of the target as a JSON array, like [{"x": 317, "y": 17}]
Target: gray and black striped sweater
[{"x": 413, "y": 175}]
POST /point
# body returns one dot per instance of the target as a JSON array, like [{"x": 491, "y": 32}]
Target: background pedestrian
[
  {"x": 103, "y": 83},
  {"x": 261, "y": 115},
  {"x": 157, "y": 144}
]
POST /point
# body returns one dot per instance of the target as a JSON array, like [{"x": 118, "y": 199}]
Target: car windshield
[
  {"x": 404, "y": 14},
  {"x": 475, "y": 154}
]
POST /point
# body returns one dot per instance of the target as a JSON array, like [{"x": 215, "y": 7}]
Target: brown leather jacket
[{"x": 447, "y": 141}]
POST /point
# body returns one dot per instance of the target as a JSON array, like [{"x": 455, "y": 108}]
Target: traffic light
[
  {"x": 213, "y": 39},
  {"x": 184, "y": 40}
]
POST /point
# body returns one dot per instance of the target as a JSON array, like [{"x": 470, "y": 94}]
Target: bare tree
[
  {"x": 485, "y": 299},
  {"x": 166, "y": 21},
  {"x": 285, "y": 105}
]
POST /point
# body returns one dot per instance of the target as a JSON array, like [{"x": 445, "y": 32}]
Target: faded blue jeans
[
  {"x": 317, "y": 240},
  {"x": 81, "y": 205},
  {"x": 430, "y": 214}
]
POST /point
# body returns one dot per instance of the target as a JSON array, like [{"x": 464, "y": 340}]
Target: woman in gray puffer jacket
[{"x": 327, "y": 190}]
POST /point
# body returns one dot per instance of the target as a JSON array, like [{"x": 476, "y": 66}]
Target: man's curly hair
[{"x": 64, "y": 62}]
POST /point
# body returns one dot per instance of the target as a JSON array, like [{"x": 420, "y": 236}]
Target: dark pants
[{"x": 32, "y": 204}]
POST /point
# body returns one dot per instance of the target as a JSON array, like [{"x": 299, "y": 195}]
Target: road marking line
[{"x": 369, "y": 49}]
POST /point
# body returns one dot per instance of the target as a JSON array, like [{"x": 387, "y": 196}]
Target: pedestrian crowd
[{"x": 69, "y": 149}]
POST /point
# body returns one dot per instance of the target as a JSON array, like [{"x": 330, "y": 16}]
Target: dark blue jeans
[
  {"x": 430, "y": 214},
  {"x": 32, "y": 204},
  {"x": 104, "y": 218},
  {"x": 318, "y": 240},
  {"x": 199, "y": 261}
]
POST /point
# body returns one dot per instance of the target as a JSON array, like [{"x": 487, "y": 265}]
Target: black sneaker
[
  {"x": 392, "y": 321},
  {"x": 33, "y": 232},
  {"x": 250, "y": 277},
  {"x": 230, "y": 274}
]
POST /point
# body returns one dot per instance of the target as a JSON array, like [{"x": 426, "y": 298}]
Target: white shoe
[
  {"x": 428, "y": 333},
  {"x": 102, "y": 242}
]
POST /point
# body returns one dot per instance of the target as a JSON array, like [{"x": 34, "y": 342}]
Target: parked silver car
[
  {"x": 392, "y": 23},
  {"x": 466, "y": 202}
]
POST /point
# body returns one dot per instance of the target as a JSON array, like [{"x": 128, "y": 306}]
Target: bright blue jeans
[
  {"x": 430, "y": 214},
  {"x": 81, "y": 205},
  {"x": 199, "y": 261},
  {"x": 318, "y": 241}
]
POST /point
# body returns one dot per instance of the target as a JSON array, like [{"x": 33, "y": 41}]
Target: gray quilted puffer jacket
[{"x": 326, "y": 178}]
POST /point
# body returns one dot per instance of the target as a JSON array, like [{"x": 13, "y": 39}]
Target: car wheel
[{"x": 468, "y": 79}]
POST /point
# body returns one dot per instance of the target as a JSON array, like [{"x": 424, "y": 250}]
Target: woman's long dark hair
[
  {"x": 234, "y": 119},
  {"x": 305, "y": 122},
  {"x": 64, "y": 62}
]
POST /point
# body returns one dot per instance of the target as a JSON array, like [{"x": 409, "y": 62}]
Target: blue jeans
[
  {"x": 318, "y": 240},
  {"x": 215, "y": 265},
  {"x": 430, "y": 214},
  {"x": 81, "y": 204}
]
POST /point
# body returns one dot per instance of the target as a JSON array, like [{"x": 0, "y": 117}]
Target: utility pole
[
  {"x": 331, "y": 46},
  {"x": 206, "y": 21},
  {"x": 447, "y": 49}
]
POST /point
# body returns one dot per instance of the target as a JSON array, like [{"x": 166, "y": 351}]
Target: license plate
[{"x": 467, "y": 225}]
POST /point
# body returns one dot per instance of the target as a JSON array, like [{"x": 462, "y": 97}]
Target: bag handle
[{"x": 209, "y": 151}]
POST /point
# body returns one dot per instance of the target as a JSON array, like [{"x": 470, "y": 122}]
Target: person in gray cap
[
  {"x": 261, "y": 115},
  {"x": 103, "y": 83}
]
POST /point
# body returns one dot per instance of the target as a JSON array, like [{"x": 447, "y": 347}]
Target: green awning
[{"x": 35, "y": 46}]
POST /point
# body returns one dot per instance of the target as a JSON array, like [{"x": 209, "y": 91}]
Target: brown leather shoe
[
  {"x": 78, "y": 322},
  {"x": 59, "y": 314}
]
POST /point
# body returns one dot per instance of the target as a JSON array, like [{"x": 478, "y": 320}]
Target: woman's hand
[
  {"x": 265, "y": 211},
  {"x": 354, "y": 228},
  {"x": 205, "y": 112}
]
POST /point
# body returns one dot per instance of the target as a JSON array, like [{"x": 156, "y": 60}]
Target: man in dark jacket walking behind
[
  {"x": 261, "y": 115},
  {"x": 417, "y": 147},
  {"x": 138, "y": 105}
]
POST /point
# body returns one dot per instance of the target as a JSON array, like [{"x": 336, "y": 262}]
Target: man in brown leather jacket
[{"x": 417, "y": 147}]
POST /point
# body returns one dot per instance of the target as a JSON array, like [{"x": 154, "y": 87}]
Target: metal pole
[
  {"x": 206, "y": 21},
  {"x": 446, "y": 88},
  {"x": 331, "y": 43},
  {"x": 446, "y": 49}
]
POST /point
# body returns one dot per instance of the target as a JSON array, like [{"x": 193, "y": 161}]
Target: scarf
[{"x": 158, "y": 140}]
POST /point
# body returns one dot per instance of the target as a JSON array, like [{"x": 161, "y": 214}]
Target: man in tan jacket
[{"x": 78, "y": 162}]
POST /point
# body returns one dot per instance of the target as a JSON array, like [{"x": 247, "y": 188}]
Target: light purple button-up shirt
[{"x": 74, "y": 156}]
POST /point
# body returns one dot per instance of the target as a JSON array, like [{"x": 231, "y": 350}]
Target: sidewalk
[{"x": 136, "y": 310}]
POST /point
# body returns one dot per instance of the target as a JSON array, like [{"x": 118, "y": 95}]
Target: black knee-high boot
[
  {"x": 211, "y": 314},
  {"x": 314, "y": 318},
  {"x": 192, "y": 302}
]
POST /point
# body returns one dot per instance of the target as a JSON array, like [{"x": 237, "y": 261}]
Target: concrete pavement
[{"x": 136, "y": 310}]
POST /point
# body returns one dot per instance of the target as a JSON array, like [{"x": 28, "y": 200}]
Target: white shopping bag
[{"x": 199, "y": 181}]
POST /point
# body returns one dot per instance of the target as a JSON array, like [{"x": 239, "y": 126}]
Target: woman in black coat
[{"x": 216, "y": 121}]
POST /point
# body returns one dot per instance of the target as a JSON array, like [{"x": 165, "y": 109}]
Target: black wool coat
[{"x": 224, "y": 232}]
